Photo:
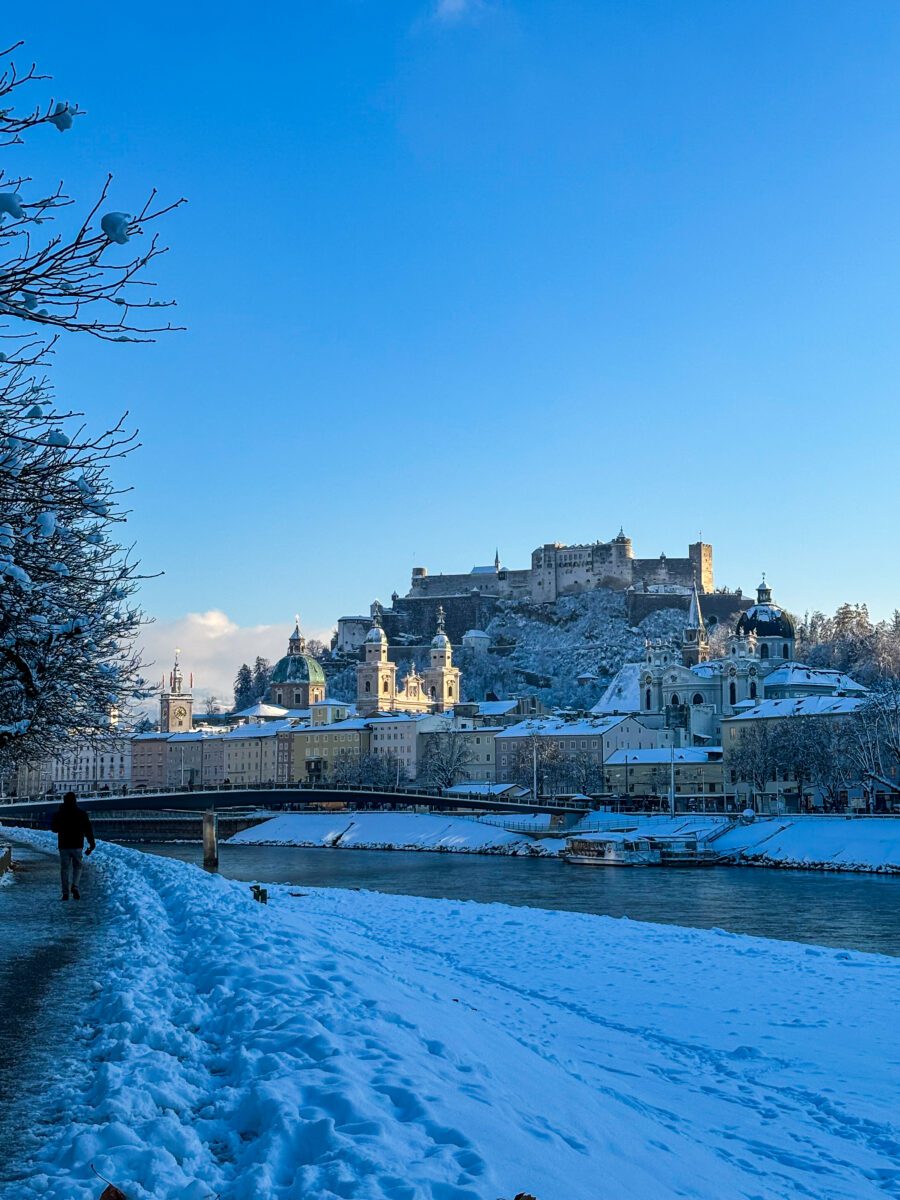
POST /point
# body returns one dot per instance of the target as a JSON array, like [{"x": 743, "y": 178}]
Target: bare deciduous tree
[{"x": 67, "y": 614}]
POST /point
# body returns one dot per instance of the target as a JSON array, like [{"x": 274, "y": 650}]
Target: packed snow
[
  {"x": 352, "y": 1044},
  {"x": 802, "y": 842},
  {"x": 388, "y": 831}
]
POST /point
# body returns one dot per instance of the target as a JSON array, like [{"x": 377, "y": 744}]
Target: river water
[{"x": 857, "y": 912}]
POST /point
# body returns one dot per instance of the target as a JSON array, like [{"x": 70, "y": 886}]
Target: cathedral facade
[{"x": 437, "y": 689}]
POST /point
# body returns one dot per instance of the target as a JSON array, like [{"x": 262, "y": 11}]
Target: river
[{"x": 857, "y": 912}]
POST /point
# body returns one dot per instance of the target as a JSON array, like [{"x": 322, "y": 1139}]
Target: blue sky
[{"x": 462, "y": 275}]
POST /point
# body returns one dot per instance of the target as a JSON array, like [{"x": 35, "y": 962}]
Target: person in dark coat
[{"x": 72, "y": 826}]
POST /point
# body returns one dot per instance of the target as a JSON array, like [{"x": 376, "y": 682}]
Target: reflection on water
[{"x": 860, "y": 912}]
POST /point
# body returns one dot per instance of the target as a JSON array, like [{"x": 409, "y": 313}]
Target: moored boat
[
  {"x": 611, "y": 850},
  {"x": 684, "y": 852}
]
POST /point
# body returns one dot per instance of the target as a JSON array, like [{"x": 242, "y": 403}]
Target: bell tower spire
[{"x": 694, "y": 640}]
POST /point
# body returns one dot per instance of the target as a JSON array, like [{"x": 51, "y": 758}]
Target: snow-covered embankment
[
  {"x": 345, "y": 1044},
  {"x": 808, "y": 843}
]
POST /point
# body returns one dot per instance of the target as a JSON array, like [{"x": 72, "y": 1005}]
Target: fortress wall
[{"x": 720, "y": 606}]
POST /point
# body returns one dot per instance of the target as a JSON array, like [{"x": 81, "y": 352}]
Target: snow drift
[{"x": 344, "y": 1044}]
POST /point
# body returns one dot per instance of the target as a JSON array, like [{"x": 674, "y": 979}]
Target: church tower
[
  {"x": 376, "y": 676},
  {"x": 442, "y": 679},
  {"x": 694, "y": 640},
  {"x": 176, "y": 706}
]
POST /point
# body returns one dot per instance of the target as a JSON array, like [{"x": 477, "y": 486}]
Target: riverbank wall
[{"x": 870, "y": 844}]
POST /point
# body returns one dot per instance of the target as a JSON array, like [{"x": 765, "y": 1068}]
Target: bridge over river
[{"x": 240, "y": 803}]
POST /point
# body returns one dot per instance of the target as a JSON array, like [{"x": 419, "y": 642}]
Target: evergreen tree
[
  {"x": 243, "y": 688},
  {"x": 262, "y": 673}
]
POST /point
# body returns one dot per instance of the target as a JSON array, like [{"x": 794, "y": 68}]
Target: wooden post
[{"x": 211, "y": 840}]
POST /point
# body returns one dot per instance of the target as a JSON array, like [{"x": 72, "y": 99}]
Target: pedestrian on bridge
[{"x": 72, "y": 826}]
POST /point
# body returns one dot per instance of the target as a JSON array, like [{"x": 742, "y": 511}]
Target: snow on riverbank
[
  {"x": 352, "y": 1044},
  {"x": 391, "y": 831},
  {"x": 819, "y": 843},
  {"x": 810, "y": 843}
]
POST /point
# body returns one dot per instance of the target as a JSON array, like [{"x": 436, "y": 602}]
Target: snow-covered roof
[
  {"x": 261, "y": 709},
  {"x": 795, "y": 674},
  {"x": 491, "y": 570},
  {"x": 476, "y": 633},
  {"x": 196, "y": 735},
  {"x": 483, "y": 789},
  {"x": 802, "y": 706},
  {"x": 554, "y": 727},
  {"x": 708, "y": 669},
  {"x": 399, "y": 718},
  {"x": 663, "y": 755},
  {"x": 496, "y": 708},
  {"x": 265, "y": 729},
  {"x": 623, "y": 694}
]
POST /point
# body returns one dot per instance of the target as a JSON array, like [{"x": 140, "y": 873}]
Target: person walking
[{"x": 72, "y": 825}]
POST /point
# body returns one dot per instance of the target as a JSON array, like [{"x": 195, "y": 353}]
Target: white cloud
[{"x": 212, "y": 648}]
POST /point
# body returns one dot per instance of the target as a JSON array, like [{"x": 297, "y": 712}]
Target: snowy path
[
  {"x": 47, "y": 963},
  {"x": 342, "y": 1044}
]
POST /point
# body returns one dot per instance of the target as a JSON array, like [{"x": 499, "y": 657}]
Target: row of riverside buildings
[{"x": 676, "y": 720}]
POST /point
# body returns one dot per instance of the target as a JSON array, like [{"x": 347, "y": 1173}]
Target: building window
[
  {"x": 675, "y": 699},
  {"x": 764, "y": 651},
  {"x": 752, "y": 691},
  {"x": 698, "y": 699},
  {"x": 368, "y": 686},
  {"x": 647, "y": 698},
  {"x": 732, "y": 693},
  {"x": 384, "y": 686},
  {"x": 784, "y": 650}
]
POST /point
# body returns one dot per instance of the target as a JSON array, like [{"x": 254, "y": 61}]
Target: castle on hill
[
  {"x": 560, "y": 570},
  {"x": 469, "y": 600}
]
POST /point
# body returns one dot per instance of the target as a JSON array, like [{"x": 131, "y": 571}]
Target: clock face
[{"x": 180, "y": 712}]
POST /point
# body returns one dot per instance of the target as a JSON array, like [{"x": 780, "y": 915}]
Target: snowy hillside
[
  {"x": 553, "y": 644},
  {"x": 353, "y": 1044}
]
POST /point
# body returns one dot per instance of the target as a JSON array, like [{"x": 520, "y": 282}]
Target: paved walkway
[{"x": 49, "y": 957}]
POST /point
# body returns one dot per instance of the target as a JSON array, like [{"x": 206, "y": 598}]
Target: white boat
[{"x": 611, "y": 850}]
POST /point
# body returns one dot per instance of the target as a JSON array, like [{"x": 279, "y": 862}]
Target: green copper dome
[{"x": 298, "y": 668}]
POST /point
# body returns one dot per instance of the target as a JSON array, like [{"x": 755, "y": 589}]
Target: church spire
[
  {"x": 694, "y": 643},
  {"x": 497, "y": 559}
]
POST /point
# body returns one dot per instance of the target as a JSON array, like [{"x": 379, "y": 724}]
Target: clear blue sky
[{"x": 513, "y": 273}]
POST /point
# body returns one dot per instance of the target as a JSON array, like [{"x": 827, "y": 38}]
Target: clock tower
[{"x": 176, "y": 706}]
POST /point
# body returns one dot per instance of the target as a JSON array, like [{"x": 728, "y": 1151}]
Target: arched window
[
  {"x": 675, "y": 699},
  {"x": 278, "y": 698},
  {"x": 784, "y": 650},
  {"x": 433, "y": 694},
  {"x": 764, "y": 651},
  {"x": 752, "y": 691},
  {"x": 384, "y": 686},
  {"x": 732, "y": 693},
  {"x": 450, "y": 689},
  {"x": 368, "y": 688},
  {"x": 647, "y": 698},
  {"x": 698, "y": 699}
]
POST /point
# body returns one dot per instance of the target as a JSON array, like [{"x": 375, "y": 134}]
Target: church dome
[
  {"x": 440, "y": 641},
  {"x": 765, "y": 619},
  {"x": 376, "y": 636},
  {"x": 298, "y": 668}
]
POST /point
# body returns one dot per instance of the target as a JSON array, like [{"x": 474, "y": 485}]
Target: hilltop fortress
[
  {"x": 559, "y": 570},
  {"x": 470, "y": 599}
]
